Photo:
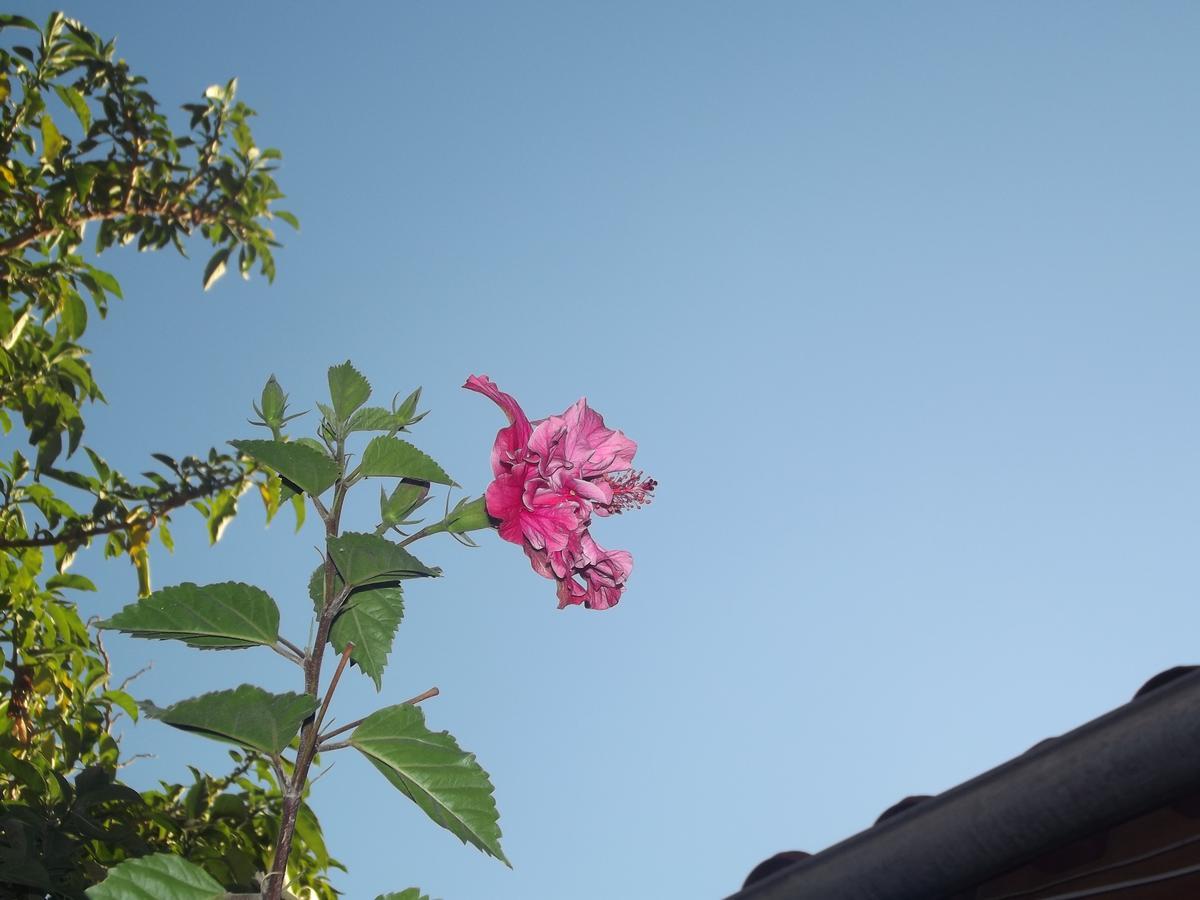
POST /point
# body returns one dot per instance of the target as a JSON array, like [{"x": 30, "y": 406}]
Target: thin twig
[
  {"x": 289, "y": 654},
  {"x": 333, "y": 683},
  {"x": 297, "y": 650},
  {"x": 136, "y": 675},
  {"x": 413, "y": 701},
  {"x": 327, "y": 748},
  {"x": 277, "y": 764},
  {"x": 135, "y": 758}
]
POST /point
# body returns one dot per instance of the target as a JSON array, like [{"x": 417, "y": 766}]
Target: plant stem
[{"x": 294, "y": 790}]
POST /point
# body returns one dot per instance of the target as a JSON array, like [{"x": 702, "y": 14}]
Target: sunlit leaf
[
  {"x": 309, "y": 469},
  {"x": 161, "y": 876},
  {"x": 216, "y": 266},
  {"x": 434, "y": 772},
  {"x": 348, "y": 389},
  {"x": 391, "y": 457},
  {"x": 52, "y": 141}
]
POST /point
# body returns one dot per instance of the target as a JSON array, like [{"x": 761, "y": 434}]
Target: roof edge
[{"x": 1113, "y": 768}]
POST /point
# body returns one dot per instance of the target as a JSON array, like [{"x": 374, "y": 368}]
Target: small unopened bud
[{"x": 273, "y": 404}]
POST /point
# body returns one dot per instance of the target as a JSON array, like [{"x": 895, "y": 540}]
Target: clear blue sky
[{"x": 899, "y": 302}]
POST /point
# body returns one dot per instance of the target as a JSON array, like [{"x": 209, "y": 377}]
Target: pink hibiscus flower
[{"x": 550, "y": 477}]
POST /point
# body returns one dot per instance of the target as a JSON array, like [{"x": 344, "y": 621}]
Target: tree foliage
[{"x": 85, "y": 151}]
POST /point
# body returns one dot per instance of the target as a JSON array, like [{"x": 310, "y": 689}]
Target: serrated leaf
[
  {"x": 311, "y": 470},
  {"x": 368, "y": 558},
  {"x": 374, "y": 418},
  {"x": 370, "y": 619},
  {"x": 406, "y": 894},
  {"x": 247, "y": 715},
  {"x": 161, "y": 876},
  {"x": 391, "y": 457},
  {"x": 348, "y": 389},
  {"x": 224, "y": 616},
  {"x": 436, "y": 774}
]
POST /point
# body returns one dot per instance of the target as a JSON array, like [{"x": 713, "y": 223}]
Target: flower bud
[{"x": 273, "y": 404}]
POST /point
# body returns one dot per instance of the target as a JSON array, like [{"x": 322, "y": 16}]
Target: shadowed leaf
[
  {"x": 368, "y": 558},
  {"x": 247, "y": 715},
  {"x": 222, "y": 616}
]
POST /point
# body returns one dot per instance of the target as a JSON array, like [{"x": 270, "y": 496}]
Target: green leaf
[
  {"x": 161, "y": 876},
  {"x": 247, "y": 715},
  {"x": 368, "y": 558},
  {"x": 12, "y": 21},
  {"x": 222, "y": 616},
  {"x": 391, "y": 457},
  {"x": 78, "y": 582},
  {"x": 220, "y": 513},
  {"x": 106, "y": 281},
  {"x": 52, "y": 141},
  {"x": 297, "y": 501},
  {"x": 406, "y": 894},
  {"x": 309, "y": 469},
  {"x": 74, "y": 316},
  {"x": 374, "y": 418},
  {"x": 443, "y": 780},
  {"x": 216, "y": 266},
  {"x": 370, "y": 619},
  {"x": 348, "y": 389},
  {"x": 73, "y": 99},
  {"x": 287, "y": 217}
]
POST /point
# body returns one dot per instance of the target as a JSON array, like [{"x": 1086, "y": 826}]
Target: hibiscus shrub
[{"x": 550, "y": 477}]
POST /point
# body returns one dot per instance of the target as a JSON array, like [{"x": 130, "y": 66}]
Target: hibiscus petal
[
  {"x": 591, "y": 447},
  {"x": 511, "y": 441}
]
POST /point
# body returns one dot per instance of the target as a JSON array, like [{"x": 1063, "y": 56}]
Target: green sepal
[{"x": 407, "y": 497}]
